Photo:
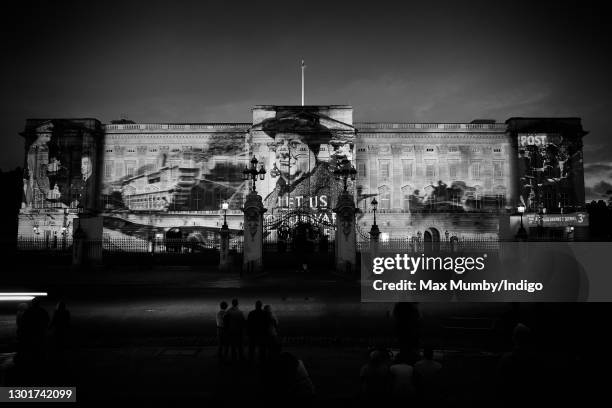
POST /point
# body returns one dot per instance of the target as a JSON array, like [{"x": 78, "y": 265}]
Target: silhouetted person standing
[
  {"x": 256, "y": 326},
  {"x": 222, "y": 340},
  {"x": 234, "y": 323},
  {"x": 427, "y": 379},
  {"x": 376, "y": 379},
  {"x": 271, "y": 340},
  {"x": 60, "y": 323}
]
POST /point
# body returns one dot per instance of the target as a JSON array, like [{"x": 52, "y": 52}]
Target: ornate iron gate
[{"x": 291, "y": 238}]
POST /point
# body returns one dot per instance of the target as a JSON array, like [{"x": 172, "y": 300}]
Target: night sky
[{"x": 399, "y": 61}]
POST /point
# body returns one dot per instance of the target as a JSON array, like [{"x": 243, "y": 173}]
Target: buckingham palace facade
[{"x": 459, "y": 179}]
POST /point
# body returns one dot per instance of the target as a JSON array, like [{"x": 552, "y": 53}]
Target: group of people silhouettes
[{"x": 261, "y": 327}]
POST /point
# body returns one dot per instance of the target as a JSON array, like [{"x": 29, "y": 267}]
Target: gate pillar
[
  {"x": 346, "y": 246},
  {"x": 252, "y": 263},
  {"x": 374, "y": 240}
]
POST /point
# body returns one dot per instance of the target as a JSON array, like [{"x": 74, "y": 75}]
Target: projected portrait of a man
[{"x": 303, "y": 163}]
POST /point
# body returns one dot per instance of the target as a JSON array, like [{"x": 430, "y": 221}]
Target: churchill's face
[{"x": 293, "y": 157}]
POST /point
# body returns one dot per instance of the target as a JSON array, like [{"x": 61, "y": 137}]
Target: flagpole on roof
[{"x": 303, "y": 66}]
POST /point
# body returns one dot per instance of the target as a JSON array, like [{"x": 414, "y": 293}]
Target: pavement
[{"x": 148, "y": 335}]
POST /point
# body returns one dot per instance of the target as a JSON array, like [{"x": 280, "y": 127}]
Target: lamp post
[
  {"x": 64, "y": 228},
  {"x": 64, "y": 232},
  {"x": 374, "y": 231},
  {"x": 521, "y": 210},
  {"x": 224, "y": 207},
  {"x": 346, "y": 171},
  {"x": 522, "y": 233},
  {"x": 252, "y": 173},
  {"x": 224, "y": 261}
]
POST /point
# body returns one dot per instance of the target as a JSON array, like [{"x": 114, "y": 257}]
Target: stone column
[
  {"x": 252, "y": 260},
  {"x": 224, "y": 259},
  {"x": 87, "y": 240},
  {"x": 345, "y": 235}
]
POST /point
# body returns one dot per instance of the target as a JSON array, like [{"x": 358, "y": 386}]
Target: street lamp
[
  {"x": 374, "y": 231},
  {"x": 224, "y": 207},
  {"x": 346, "y": 171},
  {"x": 252, "y": 173},
  {"x": 522, "y": 233}
]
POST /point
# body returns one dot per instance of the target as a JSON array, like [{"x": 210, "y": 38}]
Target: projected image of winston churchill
[{"x": 303, "y": 179}]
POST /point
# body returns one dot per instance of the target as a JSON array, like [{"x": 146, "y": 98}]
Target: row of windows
[
  {"x": 451, "y": 149},
  {"x": 384, "y": 169},
  {"x": 145, "y": 149},
  {"x": 385, "y": 194}
]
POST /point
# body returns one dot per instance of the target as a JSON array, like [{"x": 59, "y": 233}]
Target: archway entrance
[{"x": 431, "y": 240}]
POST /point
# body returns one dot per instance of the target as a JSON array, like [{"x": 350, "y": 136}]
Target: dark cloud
[
  {"x": 602, "y": 189},
  {"x": 597, "y": 167}
]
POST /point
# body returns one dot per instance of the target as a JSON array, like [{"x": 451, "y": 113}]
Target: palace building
[{"x": 441, "y": 179}]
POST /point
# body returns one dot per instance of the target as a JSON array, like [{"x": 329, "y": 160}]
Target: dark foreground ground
[{"x": 149, "y": 335}]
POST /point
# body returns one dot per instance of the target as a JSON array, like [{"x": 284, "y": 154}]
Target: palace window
[
  {"x": 119, "y": 169},
  {"x": 384, "y": 198},
  {"x": 130, "y": 168},
  {"x": 108, "y": 169},
  {"x": 430, "y": 171},
  {"x": 407, "y": 169},
  {"x": 384, "y": 169},
  {"x": 452, "y": 169},
  {"x": 406, "y": 192},
  {"x": 361, "y": 169},
  {"x": 453, "y": 149},
  {"x": 498, "y": 169},
  {"x": 475, "y": 171}
]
